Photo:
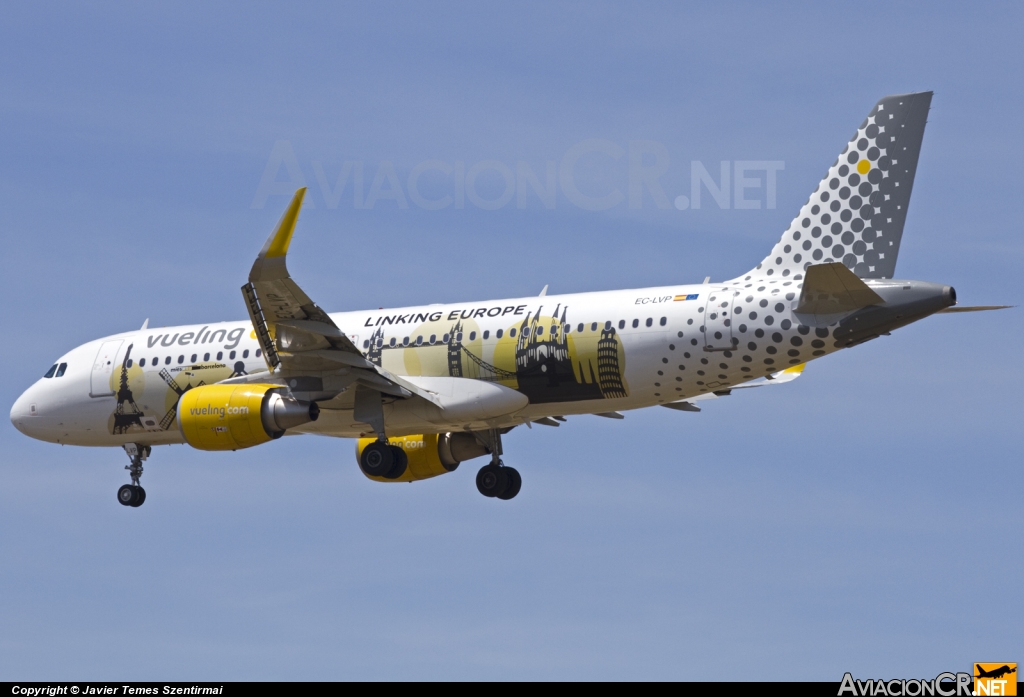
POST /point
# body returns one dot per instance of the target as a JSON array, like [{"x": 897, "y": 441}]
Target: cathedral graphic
[{"x": 551, "y": 365}]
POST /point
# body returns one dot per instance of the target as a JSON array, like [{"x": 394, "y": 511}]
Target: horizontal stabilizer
[
  {"x": 975, "y": 308},
  {"x": 831, "y": 289},
  {"x": 681, "y": 406}
]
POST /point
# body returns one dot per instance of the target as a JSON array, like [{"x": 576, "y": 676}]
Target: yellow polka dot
[{"x": 863, "y": 166}]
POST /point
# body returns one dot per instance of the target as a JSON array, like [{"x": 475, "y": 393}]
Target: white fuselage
[{"x": 569, "y": 354}]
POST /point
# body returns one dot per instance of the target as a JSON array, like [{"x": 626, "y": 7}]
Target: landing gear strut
[
  {"x": 132, "y": 494},
  {"x": 378, "y": 459},
  {"x": 495, "y": 480}
]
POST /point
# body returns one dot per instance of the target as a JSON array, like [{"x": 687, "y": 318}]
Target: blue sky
[{"x": 863, "y": 518}]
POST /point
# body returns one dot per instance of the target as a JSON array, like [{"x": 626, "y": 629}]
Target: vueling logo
[{"x": 210, "y": 410}]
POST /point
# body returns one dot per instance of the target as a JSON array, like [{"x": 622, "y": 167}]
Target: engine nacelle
[
  {"x": 430, "y": 454},
  {"x": 231, "y": 417}
]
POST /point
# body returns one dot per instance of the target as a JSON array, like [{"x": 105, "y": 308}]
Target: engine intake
[{"x": 231, "y": 417}]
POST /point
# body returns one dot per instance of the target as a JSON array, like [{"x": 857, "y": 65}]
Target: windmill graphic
[
  {"x": 127, "y": 412},
  {"x": 165, "y": 423}
]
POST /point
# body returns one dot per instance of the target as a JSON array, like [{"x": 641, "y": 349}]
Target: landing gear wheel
[
  {"x": 515, "y": 483},
  {"x": 401, "y": 463},
  {"x": 492, "y": 480},
  {"x": 377, "y": 460},
  {"x": 126, "y": 495},
  {"x": 131, "y": 495}
]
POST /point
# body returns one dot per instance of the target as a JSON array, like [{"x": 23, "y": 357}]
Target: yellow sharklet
[{"x": 278, "y": 244}]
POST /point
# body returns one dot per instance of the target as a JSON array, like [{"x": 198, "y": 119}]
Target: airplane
[
  {"x": 995, "y": 673},
  {"x": 425, "y": 388}
]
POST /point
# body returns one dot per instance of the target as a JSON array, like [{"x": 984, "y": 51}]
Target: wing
[{"x": 300, "y": 340}]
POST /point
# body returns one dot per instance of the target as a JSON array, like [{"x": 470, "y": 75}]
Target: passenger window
[
  {"x": 167, "y": 361},
  {"x": 230, "y": 355},
  {"x": 206, "y": 357},
  {"x": 51, "y": 371},
  {"x": 498, "y": 333},
  {"x": 366, "y": 343},
  {"x": 622, "y": 324},
  {"x": 142, "y": 362},
  {"x": 649, "y": 321},
  {"x": 607, "y": 325},
  {"x": 433, "y": 338},
  {"x": 445, "y": 339},
  {"x": 487, "y": 334},
  {"x": 259, "y": 352},
  {"x": 245, "y": 354},
  {"x": 181, "y": 359},
  {"x": 472, "y": 336},
  {"x": 392, "y": 342},
  {"x": 579, "y": 327},
  {"x": 419, "y": 340},
  {"x": 128, "y": 364},
  {"x": 156, "y": 361},
  {"x": 663, "y": 321},
  {"x": 220, "y": 355},
  {"x": 458, "y": 337},
  {"x": 526, "y": 331},
  {"x": 512, "y": 331},
  {"x": 636, "y": 323},
  {"x": 64, "y": 366},
  {"x": 194, "y": 357},
  {"x": 593, "y": 327},
  {"x": 540, "y": 331},
  {"x": 405, "y": 341}
]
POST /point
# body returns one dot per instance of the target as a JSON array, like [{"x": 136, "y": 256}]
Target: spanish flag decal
[{"x": 691, "y": 296}]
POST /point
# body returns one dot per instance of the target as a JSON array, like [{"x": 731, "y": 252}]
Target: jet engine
[
  {"x": 230, "y": 417},
  {"x": 428, "y": 455}
]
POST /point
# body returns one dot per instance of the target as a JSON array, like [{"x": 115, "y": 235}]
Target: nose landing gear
[
  {"x": 132, "y": 494},
  {"x": 495, "y": 480}
]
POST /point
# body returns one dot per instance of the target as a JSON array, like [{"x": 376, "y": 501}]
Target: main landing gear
[
  {"x": 383, "y": 460},
  {"x": 132, "y": 494},
  {"x": 495, "y": 480}
]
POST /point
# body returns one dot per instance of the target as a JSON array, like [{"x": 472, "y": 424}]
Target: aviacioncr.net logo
[{"x": 943, "y": 685}]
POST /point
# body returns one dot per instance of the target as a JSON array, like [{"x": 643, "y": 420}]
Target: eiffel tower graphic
[{"x": 127, "y": 412}]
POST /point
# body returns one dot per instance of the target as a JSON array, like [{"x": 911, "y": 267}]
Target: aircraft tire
[
  {"x": 126, "y": 495},
  {"x": 401, "y": 463},
  {"x": 377, "y": 460},
  {"x": 515, "y": 483},
  {"x": 140, "y": 497},
  {"x": 492, "y": 480}
]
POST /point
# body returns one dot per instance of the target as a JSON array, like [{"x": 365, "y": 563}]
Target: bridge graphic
[{"x": 545, "y": 369}]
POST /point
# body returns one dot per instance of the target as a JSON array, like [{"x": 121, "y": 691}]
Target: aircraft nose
[{"x": 23, "y": 410}]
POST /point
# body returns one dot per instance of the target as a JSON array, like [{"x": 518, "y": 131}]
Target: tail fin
[{"x": 856, "y": 214}]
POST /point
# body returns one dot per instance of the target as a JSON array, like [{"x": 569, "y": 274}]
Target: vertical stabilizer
[{"x": 856, "y": 214}]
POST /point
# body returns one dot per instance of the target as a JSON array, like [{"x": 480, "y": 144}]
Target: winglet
[{"x": 276, "y": 246}]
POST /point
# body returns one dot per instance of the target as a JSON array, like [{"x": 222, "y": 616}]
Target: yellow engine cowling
[
  {"x": 231, "y": 417},
  {"x": 429, "y": 454}
]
